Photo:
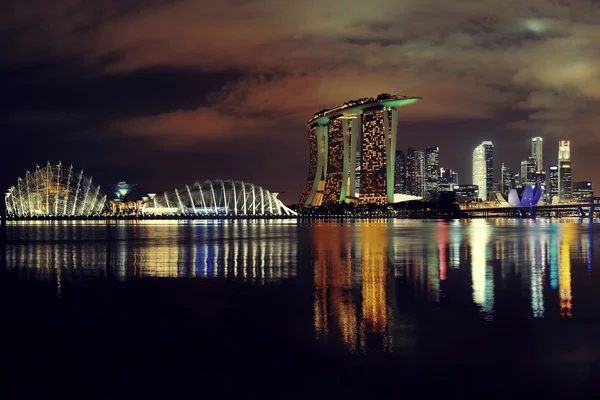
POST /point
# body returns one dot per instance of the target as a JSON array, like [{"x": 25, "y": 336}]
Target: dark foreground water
[{"x": 280, "y": 309}]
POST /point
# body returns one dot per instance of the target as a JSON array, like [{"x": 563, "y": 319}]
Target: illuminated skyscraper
[
  {"x": 564, "y": 150},
  {"x": 414, "y": 172},
  {"x": 448, "y": 179},
  {"x": 528, "y": 170},
  {"x": 360, "y": 131},
  {"x": 564, "y": 170},
  {"x": 552, "y": 183},
  {"x": 537, "y": 152},
  {"x": 400, "y": 173},
  {"x": 483, "y": 168},
  {"x": 583, "y": 191},
  {"x": 432, "y": 167},
  {"x": 508, "y": 180}
]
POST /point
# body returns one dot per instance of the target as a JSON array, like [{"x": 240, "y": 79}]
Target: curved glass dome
[
  {"x": 54, "y": 190},
  {"x": 217, "y": 198}
]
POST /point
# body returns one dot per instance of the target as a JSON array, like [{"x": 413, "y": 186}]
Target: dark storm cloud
[
  {"x": 175, "y": 83},
  {"x": 64, "y": 87}
]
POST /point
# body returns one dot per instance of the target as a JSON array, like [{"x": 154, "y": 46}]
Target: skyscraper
[
  {"x": 508, "y": 180},
  {"x": 414, "y": 172},
  {"x": 564, "y": 170},
  {"x": 400, "y": 173},
  {"x": 552, "y": 183},
  {"x": 356, "y": 138},
  {"x": 537, "y": 152},
  {"x": 583, "y": 191},
  {"x": 432, "y": 166},
  {"x": 448, "y": 179},
  {"x": 564, "y": 150},
  {"x": 483, "y": 169},
  {"x": 528, "y": 170}
]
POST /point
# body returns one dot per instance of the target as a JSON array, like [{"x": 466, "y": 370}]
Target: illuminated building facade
[
  {"x": 415, "y": 162},
  {"x": 483, "y": 169},
  {"x": 508, "y": 180},
  {"x": 552, "y": 183},
  {"x": 537, "y": 152},
  {"x": 528, "y": 172},
  {"x": 466, "y": 192},
  {"x": 564, "y": 170},
  {"x": 564, "y": 150},
  {"x": 447, "y": 180},
  {"x": 583, "y": 191},
  {"x": 217, "y": 198},
  {"x": 400, "y": 173},
  {"x": 352, "y": 152},
  {"x": 432, "y": 167},
  {"x": 56, "y": 191}
]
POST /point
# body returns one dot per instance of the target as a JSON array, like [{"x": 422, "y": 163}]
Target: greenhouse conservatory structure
[
  {"x": 216, "y": 198},
  {"x": 54, "y": 190}
]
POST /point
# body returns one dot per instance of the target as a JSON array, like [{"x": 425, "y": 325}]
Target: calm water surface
[{"x": 354, "y": 309}]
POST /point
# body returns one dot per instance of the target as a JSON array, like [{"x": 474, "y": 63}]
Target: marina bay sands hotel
[{"x": 352, "y": 152}]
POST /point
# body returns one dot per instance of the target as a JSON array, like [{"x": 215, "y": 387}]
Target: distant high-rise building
[
  {"x": 420, "y": 156},
  {"x": 400, "y": 173},
  {"x": 551, "y": 183},
  {"x": 432, "y": 167},
  {"x": 497, "y": 187},
  {"x": 583, "y": 191},
  {"x": 508, "y": 180},
  {"x": 540, "y": 179},
  {"x": 565, "y": 189},
  {"x": 564, "y": 150},
  {"x": 483, "y": 169},
  {"x": 528, "y": 170},
  {"x": 564, "y": 170},
  {"x": 447, "y": 180},
  {"x": 414, "y": 172},
  {"x": 537, "y": 152}
]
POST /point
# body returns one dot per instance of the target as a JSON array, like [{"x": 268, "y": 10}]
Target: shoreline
[{"x": 268, "y": 218}]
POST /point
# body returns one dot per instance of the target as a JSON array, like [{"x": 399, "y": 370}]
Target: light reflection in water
[
  {"x": 361, "y": 317},
  {"x": 376, "y": 315},
  {"x": 564, "y": 270},
  {"x": 172, "y": 250},
  {"x": 442, "y": 244},
  {"x": 352, "y": 266},
  {"x": 537, "y": 278},
  {"x": 481, "y": 272}
]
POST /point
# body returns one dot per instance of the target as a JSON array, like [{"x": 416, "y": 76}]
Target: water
[{"x": 283, "y": 309}]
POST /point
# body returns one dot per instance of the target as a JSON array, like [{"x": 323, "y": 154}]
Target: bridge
[{"x": 581, "y": 210}]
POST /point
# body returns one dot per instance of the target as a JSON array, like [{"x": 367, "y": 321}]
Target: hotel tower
[{"x": 352, "y": 152}]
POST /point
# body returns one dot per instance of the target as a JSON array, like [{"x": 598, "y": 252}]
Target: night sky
[{"x": 163, "y": 93}]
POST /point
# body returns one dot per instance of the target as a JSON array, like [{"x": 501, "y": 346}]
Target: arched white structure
[
  {"x": 214, "y": 198},
  {"x": 54, "y": 190}
]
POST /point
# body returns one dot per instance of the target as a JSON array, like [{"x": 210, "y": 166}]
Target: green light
[
  {"x": 400, "y": 102},
  {"x": 354, "y": 110},
  {"x": 323, "y": 121}
]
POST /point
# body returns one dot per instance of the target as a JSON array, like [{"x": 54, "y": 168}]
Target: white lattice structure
[
  {"x": 54, "y": 190},
  {"x": 217, "y": 198}
]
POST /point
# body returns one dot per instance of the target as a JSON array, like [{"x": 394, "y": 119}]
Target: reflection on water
[
  {"x": 355, "y": 265},
  {"x": 564, "y": 271},
  {"x": 350, "y": 284},
  {"x": 259, "y": 252},
  {"x": 360, "y": 273},
  {"x": 481, "y": 270}
]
